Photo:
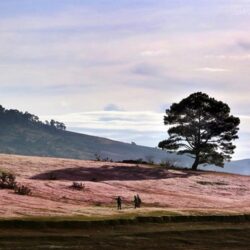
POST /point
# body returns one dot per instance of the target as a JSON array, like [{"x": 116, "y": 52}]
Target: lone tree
[{"x": 203, "y": 128}]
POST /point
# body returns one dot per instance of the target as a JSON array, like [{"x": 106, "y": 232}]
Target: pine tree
[{"x": 202, "y": 128}]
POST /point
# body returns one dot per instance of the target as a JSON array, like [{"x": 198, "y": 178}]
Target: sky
[{"x": 111, "y": 68}]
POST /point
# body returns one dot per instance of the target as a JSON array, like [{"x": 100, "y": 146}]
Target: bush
[
  {"x": 138, "y": 161},
  {"x": 7, "y": 181},
  {"x": 78, "y": 185},
  {"x": 22, "y": 190},
  {"x": 98, "y": 157},
  {"x": 212, "y": 183}
]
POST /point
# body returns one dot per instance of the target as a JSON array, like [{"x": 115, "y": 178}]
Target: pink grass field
[{"x": 161, "y": 190}]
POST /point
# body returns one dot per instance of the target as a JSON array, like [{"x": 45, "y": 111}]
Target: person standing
[
  {"x": 119, "y": 202},
  {"x": 135, "y": 201},
  {"x": 138, "y": 200}
]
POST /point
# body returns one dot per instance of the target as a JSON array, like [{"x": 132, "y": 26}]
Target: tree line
[{"x": 15, "y": 116}]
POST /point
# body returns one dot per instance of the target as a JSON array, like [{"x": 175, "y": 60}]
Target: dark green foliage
[
  {"x": 98, "y": 157},
  {"x": 7, "y": 181},
  {"x": 14, "y": 116},
  {"x": 138, "y": 161},
  {"x": 22, "y": 190},
  {"x": 203, "y": 128}
]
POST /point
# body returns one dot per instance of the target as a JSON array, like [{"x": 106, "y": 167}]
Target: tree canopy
[
  {"x": 9, "y": 116},
  {"x": 202, "y": 128}
]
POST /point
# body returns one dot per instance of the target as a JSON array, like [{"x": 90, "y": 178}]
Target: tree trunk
[{"x": 196, "y": 162}]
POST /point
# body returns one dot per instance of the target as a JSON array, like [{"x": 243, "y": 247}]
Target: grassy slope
[
  {"x": 33, "y": 140},
  {"x": 161, "y": 189}
]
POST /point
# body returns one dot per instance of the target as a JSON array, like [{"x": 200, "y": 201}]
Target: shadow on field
[{"x": 108, "y": 173}]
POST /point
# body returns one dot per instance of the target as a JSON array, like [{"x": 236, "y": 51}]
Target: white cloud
[
  {"x": 112, "y": 107},
  {"x": 113, "y": 120},
  {"x": 239, "y": 57},
  {"x": 153, "y": 53},
  {"x": 212, "y": 70}
]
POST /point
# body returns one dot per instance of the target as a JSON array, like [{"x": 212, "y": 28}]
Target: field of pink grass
[{"x": 161, "y": 189}]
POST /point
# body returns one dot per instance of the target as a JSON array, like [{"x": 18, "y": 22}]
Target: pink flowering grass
[{"x": 161, "y": 190}]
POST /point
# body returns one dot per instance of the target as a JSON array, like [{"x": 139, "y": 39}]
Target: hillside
[
  {"x": 36, "y": 141},
  {"x": 161, "y": 189},
  {"x": 24, "y": 134}
]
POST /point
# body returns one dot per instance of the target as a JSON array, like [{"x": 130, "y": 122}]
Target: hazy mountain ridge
[{"x": 234, "y": 167}]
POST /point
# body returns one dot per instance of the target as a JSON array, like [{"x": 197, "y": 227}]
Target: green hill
[{"x": 23, "y": 133}]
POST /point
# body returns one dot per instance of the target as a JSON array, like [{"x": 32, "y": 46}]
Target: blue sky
[{"x": 111, "y": 68}]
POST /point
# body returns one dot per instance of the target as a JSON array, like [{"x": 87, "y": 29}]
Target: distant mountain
[
  {"x": 24, "y": 134},
  {"x": 234, "y": 167}
]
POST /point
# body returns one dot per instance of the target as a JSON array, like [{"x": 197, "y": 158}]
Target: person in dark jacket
[
  {"x": 135, "y": 201},
  {"x": 138, "y": 200},
  {"x": 119, "y": 202}
]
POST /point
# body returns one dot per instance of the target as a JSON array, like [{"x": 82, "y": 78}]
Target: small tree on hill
[{"x": 203, "y": 128}]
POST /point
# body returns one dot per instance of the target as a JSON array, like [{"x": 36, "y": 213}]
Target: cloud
[
  {"x": 112, "y": 107},
  {"x": 155, "y": 53},
  {"x": 245, "y": 45},
  {"x": 145, "y": 70},
  {"x": 212, "y": 70},
  {"x": 143, "y": 127},
  {"x": 230, "y": 57},
  {"x": 135, "y": 120}
]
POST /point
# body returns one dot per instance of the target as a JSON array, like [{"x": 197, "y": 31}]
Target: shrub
[
  {"x": 22, "y": 190},
  {"x": 78, "y": 185},
  {"x": 7, "y": 181},
  {"x": 138, "y": 161},
  {"x": 98, "y": 157},
  {"x": 212, "y": 183}
]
